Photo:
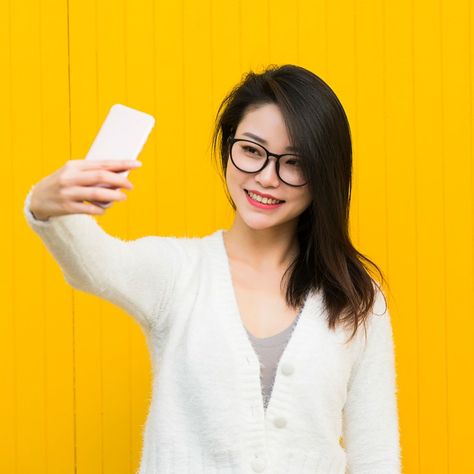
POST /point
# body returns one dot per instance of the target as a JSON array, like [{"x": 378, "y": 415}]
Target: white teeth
[{"x": 264, "y": 200}]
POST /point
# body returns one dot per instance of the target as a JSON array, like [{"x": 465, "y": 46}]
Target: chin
[{"x": 262, "y": 222}]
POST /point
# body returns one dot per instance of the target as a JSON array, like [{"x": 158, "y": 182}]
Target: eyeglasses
[{"x": 251, "y": 157}]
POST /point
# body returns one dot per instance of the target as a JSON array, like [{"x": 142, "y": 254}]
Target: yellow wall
[{"x": 75, "y": 370}]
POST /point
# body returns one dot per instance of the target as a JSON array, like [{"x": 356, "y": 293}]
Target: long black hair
[{"x": 319, "y": 129}]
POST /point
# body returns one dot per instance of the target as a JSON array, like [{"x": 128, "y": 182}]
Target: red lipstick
[{"x": 261, "y": 205}]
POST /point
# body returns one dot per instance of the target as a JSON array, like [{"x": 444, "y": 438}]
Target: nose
[{"x": 268, "y": 176}]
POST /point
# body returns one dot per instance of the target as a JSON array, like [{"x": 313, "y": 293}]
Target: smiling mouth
[{"x": 280, "y": 201}]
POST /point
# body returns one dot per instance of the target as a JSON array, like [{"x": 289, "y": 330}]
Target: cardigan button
[
  {"x": 258, "y": 464},
  {"x": 280, "y": 422},
  {"x": 287, "y": 368}
]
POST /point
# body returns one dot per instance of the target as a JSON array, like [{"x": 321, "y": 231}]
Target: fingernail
[{"x": 136, "y": 163}]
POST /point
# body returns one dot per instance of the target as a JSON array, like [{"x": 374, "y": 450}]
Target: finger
[
  {"x": 95, "y": 194},
  {"x": 102, "y": 176},
  {"x": 109, "y": 164},
  {"x": 89, "y": 208}
]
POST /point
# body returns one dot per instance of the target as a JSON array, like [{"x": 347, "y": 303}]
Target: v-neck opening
[
  {"x": 230, "y": 283},
  {"x": 235, "y": 314}
]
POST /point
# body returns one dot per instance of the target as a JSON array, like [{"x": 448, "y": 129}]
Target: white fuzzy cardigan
[{"x": 206, "y": 414}]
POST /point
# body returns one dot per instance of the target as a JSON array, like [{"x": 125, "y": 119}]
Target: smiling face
[{"x": 267, "y": 123}]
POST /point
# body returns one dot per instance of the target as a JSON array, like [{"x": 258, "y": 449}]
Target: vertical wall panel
[
  {"x": 370, "y": 107},
  {"x": 431, "y": 244},
  {"x": 142, "y": 213},
  {"x": 402, "y": 269},
  {"x": 8, "y": 394},
  {"x": 458, "y": 235},
  {"x": 168, "y": 167},
  {"x": 282, "y": 32},
  {"x": 58, "y": 436},
  {"x": 28, "y": 311},
  {"x": 195, "y": 183},
  {"x": 226, "y": 64},
  {"x": 76, "y": 373},
  {"x": 255, "y": 34},
  {"x": 85, "y": 120},
  {"x": 112, "y": 74},
  {"x": 313, "y": 36},
  {"x": 343, "y": 79}
]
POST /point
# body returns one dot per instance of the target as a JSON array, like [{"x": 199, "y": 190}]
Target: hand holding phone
[
  {"x": 121, "y": 137},
  {"x": 64, "y": 191}
]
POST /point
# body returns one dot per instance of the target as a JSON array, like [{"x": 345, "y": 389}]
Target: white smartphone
[{"x": 121, "y": 137}]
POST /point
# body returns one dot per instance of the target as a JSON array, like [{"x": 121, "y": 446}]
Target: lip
[
  {"x": 264, "y": 195},
  {"x": 261, "y": 205}
]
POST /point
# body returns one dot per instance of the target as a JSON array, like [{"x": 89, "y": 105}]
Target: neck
[{"x": 272, "y": 248}]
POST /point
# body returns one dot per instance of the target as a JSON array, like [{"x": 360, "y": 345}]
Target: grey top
[{"x": 269, "y": 351}]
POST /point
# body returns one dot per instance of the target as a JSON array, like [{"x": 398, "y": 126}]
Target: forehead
[
  {"x": 267, "y": 122},
  {"x": 265, "y": 125}
]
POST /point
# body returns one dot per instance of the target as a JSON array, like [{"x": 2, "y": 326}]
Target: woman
[{"x": 255, "y": 329}]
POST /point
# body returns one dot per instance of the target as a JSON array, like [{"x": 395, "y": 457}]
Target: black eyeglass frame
[{"x": 232, "y": 140}]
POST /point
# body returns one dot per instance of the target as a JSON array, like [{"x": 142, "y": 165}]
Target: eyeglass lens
[{"x": 250, "y": 157}]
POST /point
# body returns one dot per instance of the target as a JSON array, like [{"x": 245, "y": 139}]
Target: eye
[{"x": 250, "y": 148}]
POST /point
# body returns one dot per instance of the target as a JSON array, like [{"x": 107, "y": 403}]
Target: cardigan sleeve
[
  {"x": 135, "y": 275},
  {"x": 370, "y": 414}
]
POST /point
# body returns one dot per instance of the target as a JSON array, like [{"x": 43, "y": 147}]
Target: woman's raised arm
[{"x": 135, "y": 275}]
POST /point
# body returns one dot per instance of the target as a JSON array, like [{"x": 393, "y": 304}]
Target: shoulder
[
  {"x": 188, "y": 248},
  {"x": 380, "y": 302},
  {"x": 195, "y": 244},
  {"x": 379, "y": 322}
]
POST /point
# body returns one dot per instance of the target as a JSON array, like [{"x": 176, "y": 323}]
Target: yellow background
[{"x": 75, "y": 370}]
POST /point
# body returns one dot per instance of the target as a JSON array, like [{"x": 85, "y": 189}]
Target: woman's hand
[{"x": 64, "y": 191}]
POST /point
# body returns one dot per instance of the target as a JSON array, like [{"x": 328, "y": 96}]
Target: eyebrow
[{"x": 264, "y": 142}]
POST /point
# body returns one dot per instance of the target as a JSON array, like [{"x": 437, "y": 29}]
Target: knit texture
[{"x": 206, "y": 413}]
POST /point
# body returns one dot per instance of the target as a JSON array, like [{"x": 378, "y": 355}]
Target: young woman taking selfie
[{"x": 271, "y": 343}]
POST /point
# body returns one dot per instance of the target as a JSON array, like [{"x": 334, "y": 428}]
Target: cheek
[
  {"x": 303, "y": 198},
  {"x": 234, "y": 177},
  {"x": 233, "y": 183}
]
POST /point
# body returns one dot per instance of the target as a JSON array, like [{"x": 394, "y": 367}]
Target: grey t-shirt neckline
[
  {"x": 276, "y": 339},
  {"x": 269, "y": 351}
]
